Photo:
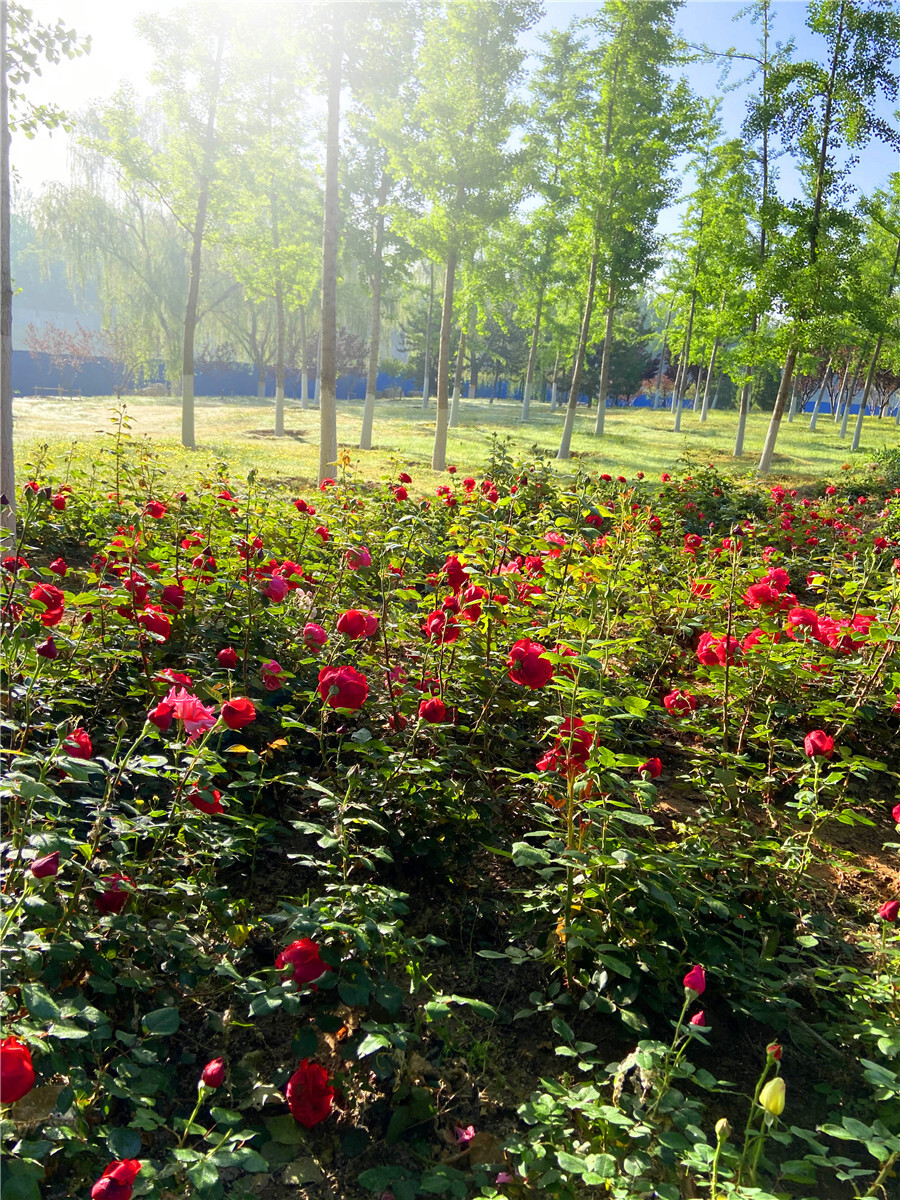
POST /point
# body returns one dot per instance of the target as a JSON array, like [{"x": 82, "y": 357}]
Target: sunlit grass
[{"x": 237, "y": 432}]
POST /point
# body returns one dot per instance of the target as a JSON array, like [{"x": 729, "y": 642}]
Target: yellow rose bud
[
  {"x": 772, "y": 1096},
  {"x": 722, "y": 1129}
]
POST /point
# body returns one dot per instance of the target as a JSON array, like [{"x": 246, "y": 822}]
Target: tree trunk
[
  {"x": 662, "y": 358},
  {"x": 328, "y": 447},
  {"x": 260, "y": 381},
  {"x": 743, "y": 410},
  {"x": 848, "y": 398},
  {"x": 704, "y": 411},
  {"x": 457, "y": 380},
  {"x": 792, "y": 407},
  {"x": 7, "y": 460},
  {"x": 532, "y": 355},
  {"x": 715, "y": 399},
  {"x": 600, "y": 422},
  {"x": 566, "y": 442},
  {"x": 426, "y": 379},
  {"x": 553, "y": 386},
  {"x": 279, "y": 359},
  {"x": 365, "y": 438},
  {"x": 190, "y": 312},
  {"x": 439, "y": 453},
  {"x": 784, "y": 388},
  {"x": 682, "y": 387},
  {"x": 304, "y": 371},
  {"x": 874, "y": 363}
]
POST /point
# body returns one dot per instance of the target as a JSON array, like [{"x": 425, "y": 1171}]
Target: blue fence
[{"x": 36, "y": 374}]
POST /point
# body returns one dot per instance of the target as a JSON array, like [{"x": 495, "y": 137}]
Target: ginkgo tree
[{"x": 452, "y": 145}]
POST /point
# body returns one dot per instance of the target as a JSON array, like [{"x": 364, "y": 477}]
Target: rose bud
[
  {"x": 213, "y": 1075},
  {"x": 695, "y": 982},
  {"x": 228, "y": 658},
  {"x": 699, "y": 1018},
  {"x": 774, "y": 1051},
  {"x": 47, "y": 649},
  {"x": 43, "y": 868},
  {"x": 651, "y": 768},
  {"x": 772, "y": 1096},
  {"x": 889, "y": 911}
]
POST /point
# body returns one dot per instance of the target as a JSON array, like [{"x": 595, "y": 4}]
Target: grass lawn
[{"x": 236, "y": 431}]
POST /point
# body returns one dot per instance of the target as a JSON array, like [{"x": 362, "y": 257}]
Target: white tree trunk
[
  {"x": 765, "y": 461},
  {"x": 600, "y": 423},
  {"x": 704, "y": 412}
]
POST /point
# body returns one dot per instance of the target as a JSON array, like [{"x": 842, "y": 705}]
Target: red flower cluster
[{"x": 570, "y": 751}]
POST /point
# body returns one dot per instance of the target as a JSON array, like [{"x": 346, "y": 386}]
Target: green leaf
[
  {"x": 124, "y": 1143},
  {"x": 162, "y": 1022},
  {"x": 371, "y": 1043},
  {"x": 204, "y": 1175},
  {"x": 568, "y": 1162},
  {"x": 39, "y": 1002},
  {"x": 285, "y": 1130}
]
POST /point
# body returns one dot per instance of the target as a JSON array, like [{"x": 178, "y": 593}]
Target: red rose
[
  {"x": 343, "y": 687},
  {"x": 78, "y": 744},
  {"x": 304, "y": 960},
  {"x": 358, "y": 557},
  {"x": 433, "y": 710},
  {"x": 162, "y": 715},
  {"x": 314, "y": 637},
  {"x": 695, "y": 981},
  {"x": 272, "y": 675},
  {"x": 113, "y": 900},
  {"x": 400, "y": 493},
  {"x": 58, "y": 567},
  {"x": 213, "y": 1074},
  {"x": 238, "y": 712},
  {"x": 404, "y": 478},
  {"x": 356, "y": 624},
  {"x": 527, "y": 665},
  {"x": 16, "y": 1070},
  {"x": 172, "y": 596},
  {"x": 818, "y": 744},
  {"x": 441, "y": 627},
  {"x": 276, "y": 589},
  {"x": 322, "y": 532},
  {"x": 652, "y": 767},
  {"x": 889, "y": 911},
  {"x": 155, "y": 622},
  {"x": 308, "y": 1094},
  {"x": 679, "y": 704},
  {"x": 207, "y": 800},
  {"x": 44, "y": 868},
  {"x": 895, "y": 813},
  {"x": 59, "y": 502},
  {"x": 117, "y": 1181},
  {"x": 228, "y": 658},
  {"x": 699, "y": 1018},
  {"x": 52, "y": 600},
  {"x": 456, "y": 575},
  {"x": 155, "y": 509}
]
